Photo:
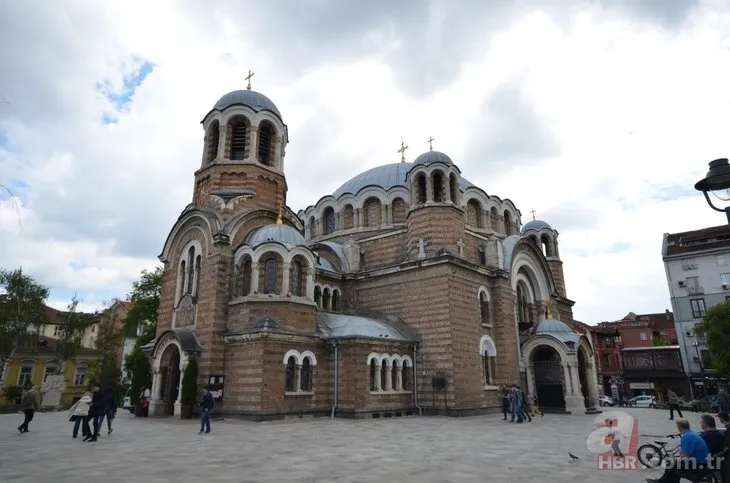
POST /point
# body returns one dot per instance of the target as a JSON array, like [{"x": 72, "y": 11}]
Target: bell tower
[
  {"x": 546, "y": 239},
  {"x": 243, "y": 154}
]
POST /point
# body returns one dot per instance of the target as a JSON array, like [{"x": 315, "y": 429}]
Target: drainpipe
[
  {"x": 337, "y": 380},
  {"x": 415, "y": 380}
]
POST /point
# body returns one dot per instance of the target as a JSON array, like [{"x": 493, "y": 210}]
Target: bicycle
[{"x": 652, "y": 455}]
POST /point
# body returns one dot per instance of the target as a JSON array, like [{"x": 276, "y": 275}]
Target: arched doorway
[
  {"x": 548, "y": 371},
  {"x": 583, "y": 377},
  {"x": 170, "y": 378}
]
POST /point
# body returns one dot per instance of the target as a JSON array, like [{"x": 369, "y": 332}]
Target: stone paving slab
[{"x": 405, "y": 450}]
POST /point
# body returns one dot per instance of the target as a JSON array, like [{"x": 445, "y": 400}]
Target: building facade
[
  {"x": 407, "y": 290},
  {"x": 698, "y": 277},
  {"x": 653, "y": 371}
]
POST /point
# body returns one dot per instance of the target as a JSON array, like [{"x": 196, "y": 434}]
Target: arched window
[
  {"x": 326, "y": 299},
  {"x": 507, "y": 223},
  {"x": 494, "y": 219},
  {"x": 374, "y": 375},
  {"x": 329, "y": 221},
  {"x": 547, "y": 248},
  {"x": 312, "y": 228},
  {"x": 306, "y": 375},
  {"x": 421, "y": 187},
  {"x": 488, "y": 351},
  {"x": 196, "y": 278},
  {"x": 372, "y": 212},
  {"x": 473, "y": 214},
  {"x": 399, "y": 211},
  {"x": 335, "y": 300},
  {"x": 385, "y": 377},
  {"x": 296, "y": 279},
  {"x": 191, "y": 270},
  {"x": 520, "y": 305},
  {"x": 406, "y": 376},
  {"x": 438, "y": 186},
  {"x": 318, "y": 297},
  {"x": 484, "y": 308},
  {"x": 348, "y": 217},
  {"x": 182, "y": 276},
  {"x": 266, "y": 144},
  {"x": 239, "y": 139},
  {"x": 246, "y": 275},
  {"x": 394, "y": 376},
  {"x": 270, "y": 276},
  {"x": 213, "y": 139},
  {"x": 291, "y": 374},
  {"x": 453, "y": 189}
]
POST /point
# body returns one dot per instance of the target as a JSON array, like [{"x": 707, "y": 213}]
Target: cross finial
[
  {"x": 402, "y": 152},
  {"x": 279, "y": 221},
  {"x": 248, "y": 78},
  {"x": 548, "y": 312},
  {"x": 430, "y": 143},
  {"x": 533, "y": 214}
]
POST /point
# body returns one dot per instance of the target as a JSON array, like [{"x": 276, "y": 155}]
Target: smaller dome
[
  {"x": 252, "y": 99},
  {"x": 552, "y": 325},
  {"x": 535, "y": 225},
  {"x": 277, "y": 233},
  {"x": 430, "y": 157}
]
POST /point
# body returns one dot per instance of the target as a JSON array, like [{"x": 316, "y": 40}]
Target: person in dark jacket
[
  {"x": 725, "y": 421},
  {"x": 714, "y": 439},
  {"x": 206, "y": 404},
  {"x": 95, "y": 410},
  {"x": 110, "y": 408}
]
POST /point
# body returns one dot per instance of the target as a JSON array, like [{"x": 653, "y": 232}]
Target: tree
[
  {"x": 715, "y": 327},
  {"x": 189, "y": 391},
  {"x": 108, "y": 339},
  {"x": 137, "y": 367},
  {"x": 22, "y": 306},
  {"x": 73, "y": 324},
  {"x": 145, "y": 299}
]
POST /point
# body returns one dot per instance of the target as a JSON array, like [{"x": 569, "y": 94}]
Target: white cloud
[{"x": 589, "y": 116}]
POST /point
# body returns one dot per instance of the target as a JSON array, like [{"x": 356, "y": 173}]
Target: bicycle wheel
[{"x": 650, "y": 455}]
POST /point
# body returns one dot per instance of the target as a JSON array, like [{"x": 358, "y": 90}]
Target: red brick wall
[
  {"x": 292, "y": 315},
  {"x": 440, "y": 226}
]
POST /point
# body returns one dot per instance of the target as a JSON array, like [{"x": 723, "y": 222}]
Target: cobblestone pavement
[{"x": 409, "y": 449}]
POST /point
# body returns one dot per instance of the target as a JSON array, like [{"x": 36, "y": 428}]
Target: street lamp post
[
  {"x": 702, "y": 367},
  {"x": 717, "y": 182}
]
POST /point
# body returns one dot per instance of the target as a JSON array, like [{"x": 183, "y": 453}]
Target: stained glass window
[{"x": 270, "y": 279}]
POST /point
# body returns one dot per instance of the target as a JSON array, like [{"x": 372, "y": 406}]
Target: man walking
[
  {"x": 206, "y": 404},
  {"x": 30, "y": 403},
  {"x": 673, "y": 404}
]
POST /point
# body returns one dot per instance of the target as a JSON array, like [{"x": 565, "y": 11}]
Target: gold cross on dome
[
  {"x": 248, "y": 78},
  {"x": 533, "y": 214},
  {"x": 402, "y": 152},
  {"x": 278, "y": 218},
  {"x": 430, "y": 143}
]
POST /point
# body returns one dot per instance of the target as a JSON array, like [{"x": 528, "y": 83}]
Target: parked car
[
  {"x": 643, "y": 401},
  {"x": 606, "y": 401}
]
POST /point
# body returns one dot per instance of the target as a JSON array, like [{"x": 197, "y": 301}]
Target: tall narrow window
[
  {"x": 247, "y": 268},
  {"x": 318, "y": 297},
  {"x": 213, "y": 139},
  {"x": 191, "y": 270},
  {"x": 520, "y": 305},
  {"x": 494, "y": 219},
  {"x": 266, "y": 144},
  {"x": 385, "y": 377},
  {"x": 291, "y": 374},
  {"x": 394, "y": 375},
  {"x": 374, "y": 374},
  {"x": 197, "y": 275},
  {"x": 335, "y": 300},
  {"x": 488, "y": 369},
  {"x": 484, "y": 308},
  {"x": 329, "y": 221},
  {"x": 438, "y": 186},
  {"x": 507, "y": 223},
  {"x": 270, "y": 276},
  {"x": 326, "y": 299},
  {"x": 453, "y": 189},
  {"x": 239, "y": 136},
  {"x": 421, "y": 181},
  {"x": 181, "y": 281},
  {"x": 306, "y": 375},
  {"x": 296, "y": 279}
]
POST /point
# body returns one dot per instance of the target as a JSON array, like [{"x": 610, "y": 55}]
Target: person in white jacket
[{"x": 78, "y": 414}]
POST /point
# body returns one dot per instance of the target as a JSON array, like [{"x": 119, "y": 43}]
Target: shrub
[
  {"x": 13, "y": 394},
  {"x": 189, "y": 392}
]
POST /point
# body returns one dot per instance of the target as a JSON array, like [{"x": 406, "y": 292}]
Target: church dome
[
  {"x": 278, "y": 233},
  {"x": 558, "y": 330},
  {"x": 535, "y": 225},
  {"x": 252, "y": 99},
  {"x": 387, "y": 176},
  {"x": 430, "y": 157}
]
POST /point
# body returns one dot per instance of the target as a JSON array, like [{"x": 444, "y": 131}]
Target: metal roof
[
  {"x": 254, "y": 100},
  {"x": 536, "y": 225},
  {"x": 433, "y": 157},
  {"x": 276, "y": 232},
  {"x": 337, "y": 326}
]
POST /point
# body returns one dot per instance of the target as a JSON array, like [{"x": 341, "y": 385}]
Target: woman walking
[{"x": 78, "y": 413}]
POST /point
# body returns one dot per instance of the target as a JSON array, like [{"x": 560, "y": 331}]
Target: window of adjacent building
[
  {"x": 25, "y": 376},
  {"x": 56, "y": 330},
  {"x": 689, "y": 264},
  {"x": 607, "y": 361},
  {"x": 49, "y": 370},
  {"x": 725, "y": 278},
  {"x": 698, "y": 308},
  {"x": 644, "y": 336},
  {"x": 721, "y": 261}
]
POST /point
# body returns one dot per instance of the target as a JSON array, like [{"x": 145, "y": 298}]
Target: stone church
[{"x": 408, "y": 290}]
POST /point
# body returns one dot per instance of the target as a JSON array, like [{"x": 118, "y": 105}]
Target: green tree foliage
[
  {"x": 715, "y": 327},
  {"x": 145, "y": 299},
  {"x": 137, "y": 367},
  {"x": 661, "y": 340},
  {"x": 109, "y": 335},
  {"x": 22, "y": 308},
  {"x": 189, "y": 392},
  {"x": 73, "y": 324}
]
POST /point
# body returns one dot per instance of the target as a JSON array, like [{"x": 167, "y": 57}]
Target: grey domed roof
[
  {"x": 559, "y": 330},
  {"x": 254, "y": 100},
  {"x": 279, "y": 233},
  {"x": 386, "y": 176},
  {"x": 535, "y": 225},
  {"x": 433, "y": 157}
]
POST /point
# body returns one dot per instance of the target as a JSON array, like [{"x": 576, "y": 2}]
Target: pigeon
[{"x": 572, "y": 456}]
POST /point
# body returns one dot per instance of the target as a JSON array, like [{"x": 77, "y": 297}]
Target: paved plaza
[{"x": 409, "y": 449}]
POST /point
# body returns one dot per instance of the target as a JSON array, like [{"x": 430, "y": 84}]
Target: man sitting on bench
[{"x": 692, "y": 462}]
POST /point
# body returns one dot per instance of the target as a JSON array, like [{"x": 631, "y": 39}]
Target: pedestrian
[
  {"x": 516, "y": 404},
  {"x": 97, "y": 406},
  {"x": 615, "y": 438},
  {"x": 525, "y": 405},
  {"x": 78, "y": 413},
  {"x": 673, "y": 404},
  {"x": 722, "y": 401},
  {"x": 505, "y": 401},
  {"x": 31, "y": 402},
  {"x": 110, "y": 408},
  {"x": 206, "y": 404}
]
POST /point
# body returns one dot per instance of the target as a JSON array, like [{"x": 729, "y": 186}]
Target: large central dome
[
  {"x": 387, "y": 176},
  {"x": 254, "y": 100}
]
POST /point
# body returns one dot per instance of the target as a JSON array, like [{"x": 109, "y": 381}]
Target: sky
[{"x": 600, "y": 116}]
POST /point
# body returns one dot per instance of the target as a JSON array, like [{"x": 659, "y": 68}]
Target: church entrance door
[
  {"x": 548, "y": 378},
  {"x": 170, "y": 372}
]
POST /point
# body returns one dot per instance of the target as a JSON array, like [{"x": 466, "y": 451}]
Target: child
[{"x": 614, "y": 437}]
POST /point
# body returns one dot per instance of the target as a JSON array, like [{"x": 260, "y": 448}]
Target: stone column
[
  {"x": 275, "y": 155},
  {"x": 399, "y": 378},
  {"x": 310, "y": 283},
  {"x": 388, "y": 379},
  {"x": 388, "y": 215},
  {"x": 221, "y": 142},
  {"x": 429, "y": 190},
  {"x": 298, "y": 382},
  {"x": 361, "y": 217},
  {"x": 254, "y": 277},
  {"x": 379, "y": 377},
  {"x": 156, "y": 404},
  {"x": 484, "y": 220},
  {"x": 285, "y": 278},
  {"x": 253, "y": 143},
  {"x": 574, "y": 402},
  {"x": 447, "y": 195},
  {"x": 178, "y": 405}
]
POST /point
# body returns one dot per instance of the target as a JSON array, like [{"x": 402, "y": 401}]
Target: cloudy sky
[{"x": 600, "y": 116}]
